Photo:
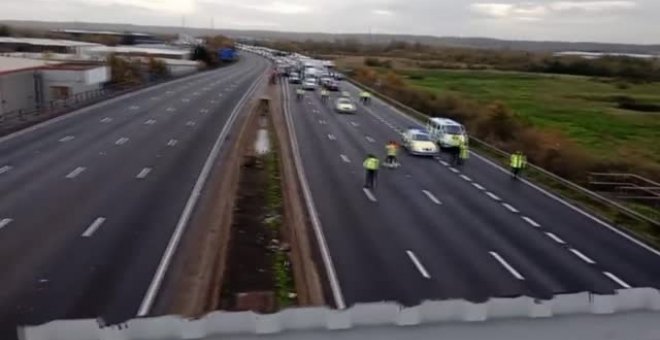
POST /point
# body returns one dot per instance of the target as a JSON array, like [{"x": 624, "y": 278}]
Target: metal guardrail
[{"x": 618, "y": 207}]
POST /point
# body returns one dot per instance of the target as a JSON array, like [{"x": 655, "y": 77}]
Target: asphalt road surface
[
  {"x": 432, "y": 231},
  {"x": 88, "y": 203}
]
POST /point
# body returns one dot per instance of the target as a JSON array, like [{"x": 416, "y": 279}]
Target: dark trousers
[
  {"x": 515, "y": 172},
  {"x": 390, "y": 159},
  {"x": 370, "y": 178}
]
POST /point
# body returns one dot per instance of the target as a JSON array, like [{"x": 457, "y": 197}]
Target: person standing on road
[
  {"x": 324, "y": 95},
  {"x": 518, "y": 162},
  {"x": 365, "y": 97},
  {"x": 463, "y": 152},
  {"x": 391, "y": 150},
  {"x": 371, "y": 165}
]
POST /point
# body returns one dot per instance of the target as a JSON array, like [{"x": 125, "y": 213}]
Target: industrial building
[
  {"x": 27, "y": 85},
  {"x": 10, "y": 44}
]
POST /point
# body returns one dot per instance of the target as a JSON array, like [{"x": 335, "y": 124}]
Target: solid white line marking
[
  {"x": 432, "y": 197},
  {"x": 121, "y": 141},
  {"x": 4, "y": 222},
  {"x": 510, "y": 208},
  {"x": 369, "y": 194},
  {"x": 555, "y": 238},
  {"x": 144, "y": 173},
  {"x": 454, "y": 170},
  {"x": 371, "y": 140},
  {"x": 531, "y": 221},
  {"x": 478, "y": 186},
  {"x": 466, "y": 178},
  {"x": 190, "y": 123},
  {"x": 93, "y": 227},
  {"x": 345, "y": 158},
  {"x": 584, "y": 258},
  {"x": 617, "y": 280},
  {"x": 4, "y": 169},
  {"x": 418, "y": 264},
  {"x": 150, "y": 122},
  {"x": 66, "y": 139},
  {"x": 331, "y": 137},
  {"x": 106, "y": 120},
  {"x": 172, "y": 142},
  {"x": 506, "y": 265},
  {"x": 493, "y": 196},
  {"x": 77, "y": 171}
]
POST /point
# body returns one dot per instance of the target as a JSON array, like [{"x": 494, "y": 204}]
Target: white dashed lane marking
[
  {"x": 507, "y": 266},
  {"x": 172, "y": 142},
  {"x": 185, "y": 100},
  {"x": 418, "y": 264},
  {"x": 493, "y": 196},
  {"x": 150, "y": 122},
  {"x": 531, "y": 221},
  {"x": 617, "y": 280},
  {"x": 584, "y": 258},
  {"x": 555, "y": 238},
  {"x": 331, "y": 137},
  {"x": 144, "y": 173},
  {"x": 432, "y": 197},
  {"x": 355, "y": 124},
  {"x": 121, "y": 141},
  {"x": 77, "y": 171},
  {"x": 510, "y": 208},
  {"x": 345, "y": 158},
  {"x": 67, "y": 139},
  {"x": 5, "y": 169},
  {"x": 204, "y": 111},
  {"x": 106, "y": 120},
  {"x": 190, "y": 123},
  {"x": 170, "y": 109},
  {"x": 454, "y": 170},
  {"x": 478, "y": 186},
  {"x": 370, "y": 140},
  {"x": 466, "y": 178},
  {"x": 93, "y": 227},
  {"x": 4, "y": 222},
  {"x": 369, "y": 194}
]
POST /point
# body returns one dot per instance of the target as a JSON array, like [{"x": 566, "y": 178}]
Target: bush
[{"x": 375, "y": 62}]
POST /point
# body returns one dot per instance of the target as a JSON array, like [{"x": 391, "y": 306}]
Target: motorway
[
  {"x": 89, "y": 201},
  {"x": 432, "y": 231}
]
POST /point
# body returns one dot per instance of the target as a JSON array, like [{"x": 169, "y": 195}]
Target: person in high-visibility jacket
[
  {"x": 324, "y": 95},
  {"x": 371, "y": 165},
  {"x": 518, "y": 162},
  {"x": 391, "y": 149},
  {"x": 463, "y": 152},
  {"x": 365, "y": 97}
]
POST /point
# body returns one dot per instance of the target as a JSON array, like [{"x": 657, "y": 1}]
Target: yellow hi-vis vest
[
  {"x": 517, "y": 161},
  {"x": 391, "y": 149},
  {"x": 464, "y": 152},
  {"x": 371, "y": 163}
]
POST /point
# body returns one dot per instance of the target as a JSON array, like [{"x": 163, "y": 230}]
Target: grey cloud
[{"x": 599, "y": 20}]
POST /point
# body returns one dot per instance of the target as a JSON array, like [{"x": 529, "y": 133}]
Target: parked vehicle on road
[
  {"x": 345, "y": 105},
  {"x": 447, "y": 133},
  {"x": 418, "y": 142}
]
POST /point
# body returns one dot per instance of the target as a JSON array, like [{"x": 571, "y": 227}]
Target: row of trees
[
  {"x": 133, "y": 71},
  {"x": 426, "y": 56}
]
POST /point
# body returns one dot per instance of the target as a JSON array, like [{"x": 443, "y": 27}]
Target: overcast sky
[{"x": 635, "y": 21}]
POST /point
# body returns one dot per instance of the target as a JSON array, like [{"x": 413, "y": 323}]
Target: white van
[{"x": 446, "y": 132}]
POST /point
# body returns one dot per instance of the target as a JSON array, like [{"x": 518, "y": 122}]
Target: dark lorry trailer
[{"x": 227, "y": 55}]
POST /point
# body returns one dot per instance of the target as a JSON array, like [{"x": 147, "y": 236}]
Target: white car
[
  {"x": 345, "y": 105},
  {"x": 310, "y": 84},
  {"x": 446, "y": 132},
  {"x": 419, "y": 142}
]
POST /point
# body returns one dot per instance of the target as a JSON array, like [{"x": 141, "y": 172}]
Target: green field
[{"x": 584, "y": 109}]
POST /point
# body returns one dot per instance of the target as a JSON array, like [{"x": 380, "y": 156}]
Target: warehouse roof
[
  {"x": 9, "y": 64},
  {"x": 45, "y": 42},
  {"x": 139, "y": 50}
]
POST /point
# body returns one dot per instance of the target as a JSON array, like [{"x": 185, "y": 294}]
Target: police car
[
  {"x": 446, "y": 132},
  {"x": 418, "y": 142}
]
